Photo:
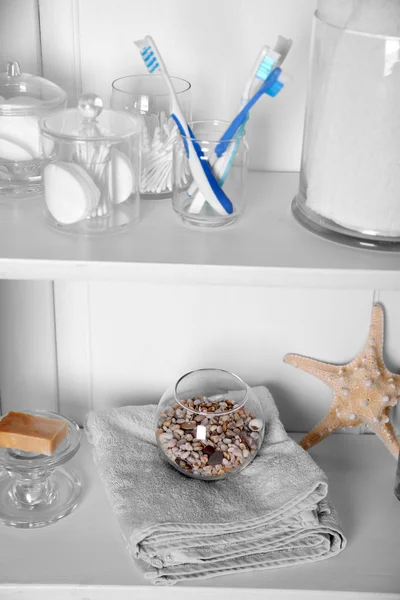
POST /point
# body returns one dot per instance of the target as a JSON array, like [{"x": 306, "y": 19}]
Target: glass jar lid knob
[
  {"x": 90, "y": 106},
  {"x": 13, "y": 69}
]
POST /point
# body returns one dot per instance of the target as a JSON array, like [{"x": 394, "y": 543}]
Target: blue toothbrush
[
  {"x": 241, "y": 117},
  {"x": 200, "y": 168}
]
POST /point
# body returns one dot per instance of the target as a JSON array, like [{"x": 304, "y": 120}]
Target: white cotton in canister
[
  {"x": 22, "y": 131},
  {"x": 353, "y": 140},
  {"x": 123, "y": 178},
  {"x": 69, "y": 191},
  {"x": 13, "y": 151}
]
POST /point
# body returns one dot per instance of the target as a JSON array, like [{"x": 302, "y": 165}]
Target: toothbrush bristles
[
  {"x": 265, "y": 68},
  {"x": 150, "y": 59}
]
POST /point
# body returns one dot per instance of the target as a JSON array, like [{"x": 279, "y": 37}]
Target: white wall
[
  {"x": 28, "y": 360},
  {"x": 19, "y": 34},
  {"x": 125, "y": 343},
  {"x": 213, "y": 43},
  {"x": 96, "y": 344}
]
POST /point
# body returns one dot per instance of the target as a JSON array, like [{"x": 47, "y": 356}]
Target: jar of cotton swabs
[
  {"x": 91, "y": 168},
  {"x": 147, "y": 96}
]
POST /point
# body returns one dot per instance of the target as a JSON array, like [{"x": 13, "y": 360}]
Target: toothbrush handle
[
  {"x": 242, "y": 115},
  {"x": 222, "y": 197},
  {"x": 202, "y": 172}
]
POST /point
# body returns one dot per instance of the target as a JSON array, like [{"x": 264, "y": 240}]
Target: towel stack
[{"x": 274, "y": 513}]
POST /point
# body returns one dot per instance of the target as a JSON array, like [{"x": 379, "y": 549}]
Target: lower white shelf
[{"x": 83, "y": 556}]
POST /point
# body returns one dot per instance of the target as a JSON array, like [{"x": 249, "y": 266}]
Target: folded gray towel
[{"x": 272, "y": 514}]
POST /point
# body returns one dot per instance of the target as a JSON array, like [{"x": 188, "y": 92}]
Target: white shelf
[
  {"x": 265, "y": 247},
  {"x": 84, "y": 557}
]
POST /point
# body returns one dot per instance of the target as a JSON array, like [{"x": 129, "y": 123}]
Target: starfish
[{"x": 364, "y": 390}]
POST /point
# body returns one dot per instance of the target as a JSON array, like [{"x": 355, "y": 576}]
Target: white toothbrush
[
  {"x": 199, "y": 166},
  {"x": 266, "y": 61}
]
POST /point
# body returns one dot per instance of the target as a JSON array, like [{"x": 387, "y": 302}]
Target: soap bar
[{"x": 32, "y": 433}]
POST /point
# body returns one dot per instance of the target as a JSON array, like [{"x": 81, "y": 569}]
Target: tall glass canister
[{"x": 350, "y": 171}]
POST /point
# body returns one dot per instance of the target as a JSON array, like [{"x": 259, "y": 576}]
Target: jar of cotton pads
[
  {"x": 24, "y": 99},
  {"x": 91, "y": 168}
]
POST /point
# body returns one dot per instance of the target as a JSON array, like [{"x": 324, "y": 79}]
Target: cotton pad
[
  {"x": 47, "y": 146},
  {"x": 69, "y": 192},
  {"x": 123, "y": 179},
  {"x": 23, "y": 101},
  {"x": 23, "y": 131},
  {"x": 10, "y": 150}
]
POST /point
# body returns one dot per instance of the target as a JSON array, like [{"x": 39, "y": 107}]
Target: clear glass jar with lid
[
  {"x": 24, "y": 99},
  {"x": 350, "y": 172},
  {"x": 91, "y": 168}
]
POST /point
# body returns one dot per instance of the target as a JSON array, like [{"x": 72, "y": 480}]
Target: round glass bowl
[
  {"x": 35, "y": 490},
  {"x": 210, "y": 424},
  {"x": 24, "y": 99},
  {"x": 91, "y": 168},
  {"x": 147, "y": 96}
]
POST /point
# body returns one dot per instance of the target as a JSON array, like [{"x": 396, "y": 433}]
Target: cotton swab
[{"x": 158, "y": 158}]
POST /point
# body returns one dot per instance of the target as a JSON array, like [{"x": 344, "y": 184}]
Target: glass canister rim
[
  {"x": 200, "y": 137},
  {"x": 80, "y": 137},
  {"x": 345, "y": 29},
  {"x": 197, "y": 412},
  {"x": 151, "y": 77}
]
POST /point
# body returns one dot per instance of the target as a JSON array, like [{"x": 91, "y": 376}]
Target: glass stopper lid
[
  {"x": 23, "y": 93},
  {"x": 89, "y": 120}
]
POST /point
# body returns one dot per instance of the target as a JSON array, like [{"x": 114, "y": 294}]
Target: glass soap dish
[{"x": 35, "y": 490}]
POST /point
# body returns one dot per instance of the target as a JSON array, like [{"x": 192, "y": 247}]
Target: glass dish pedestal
[{"x": 36, "y": 490}]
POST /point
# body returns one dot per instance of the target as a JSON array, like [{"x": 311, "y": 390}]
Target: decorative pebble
[
  {"x": 216, "y": 458},
  {"x": 256, "y": 424},
  {"x": 208, "y": 450},
  {"x": 187, "y": 426}
]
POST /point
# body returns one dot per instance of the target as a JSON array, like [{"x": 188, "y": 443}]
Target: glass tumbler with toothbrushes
[
  {"x": 222, "y": 151},
  {"x": 210, "y": 173},
  {"x": 192, "y": 206},
  {"x": 147, "y": 96},
  {"x": 91, "y": 168}
]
